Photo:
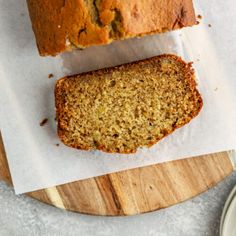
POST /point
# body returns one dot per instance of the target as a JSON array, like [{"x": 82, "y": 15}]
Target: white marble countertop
[{"x": 23, "y": 216}]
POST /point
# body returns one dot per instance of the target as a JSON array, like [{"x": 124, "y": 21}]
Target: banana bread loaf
[
  {"x": 61, "y": 25},
  {"x": 123, "y": 108}
]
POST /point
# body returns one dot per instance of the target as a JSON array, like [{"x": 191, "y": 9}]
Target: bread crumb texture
[
  {"x": 123, "y": 108},
  {"x": 61, "y": 25}
]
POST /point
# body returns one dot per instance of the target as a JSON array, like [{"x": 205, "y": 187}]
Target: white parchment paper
[{"x": 27, "y": 96}]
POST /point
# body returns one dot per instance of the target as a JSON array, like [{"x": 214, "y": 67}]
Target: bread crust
[
  {"x": 61, "y": 25},
  {"x": 189, "y": 76}
]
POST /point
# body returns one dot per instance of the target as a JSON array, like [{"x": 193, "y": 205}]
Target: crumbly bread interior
[{"x": 123, "y": 108}]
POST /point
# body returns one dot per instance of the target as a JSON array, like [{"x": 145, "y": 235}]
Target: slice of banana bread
[{"x": 123, "y": 108}]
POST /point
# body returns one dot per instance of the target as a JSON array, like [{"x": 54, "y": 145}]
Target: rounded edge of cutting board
[{"x": 134, "y": 191}]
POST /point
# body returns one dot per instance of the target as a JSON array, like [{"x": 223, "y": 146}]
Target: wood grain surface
[{"x": 134, "y": 191}]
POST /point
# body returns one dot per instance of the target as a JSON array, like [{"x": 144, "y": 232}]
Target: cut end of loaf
[{"x": 120, "y": 109}]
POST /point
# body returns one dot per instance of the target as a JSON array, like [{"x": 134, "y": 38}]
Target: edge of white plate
[
  {"x": 231, "y": 208},
  {"x": 226, "y": 207}
]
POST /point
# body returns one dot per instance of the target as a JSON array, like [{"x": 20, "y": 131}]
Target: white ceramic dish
[
  {"x": 228, "y": 227},
  {"x": 226, "y": 206}
]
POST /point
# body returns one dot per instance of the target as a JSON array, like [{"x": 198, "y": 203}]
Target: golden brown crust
[
  {"x": 187, "y": 70},
  {"x": 61, "y": 25}
]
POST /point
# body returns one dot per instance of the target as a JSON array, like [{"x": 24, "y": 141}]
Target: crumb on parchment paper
[
  {"x": 199, "y": 16},
  {"x": 43, "y": 122},
  {"x": 50, "y": 76}
]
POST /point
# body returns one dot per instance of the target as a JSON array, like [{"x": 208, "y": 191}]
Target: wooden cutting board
[{"x": 134, "y": 191}]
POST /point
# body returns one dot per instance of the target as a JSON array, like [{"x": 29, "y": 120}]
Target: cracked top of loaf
[{"x": 61, "y": 25}]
